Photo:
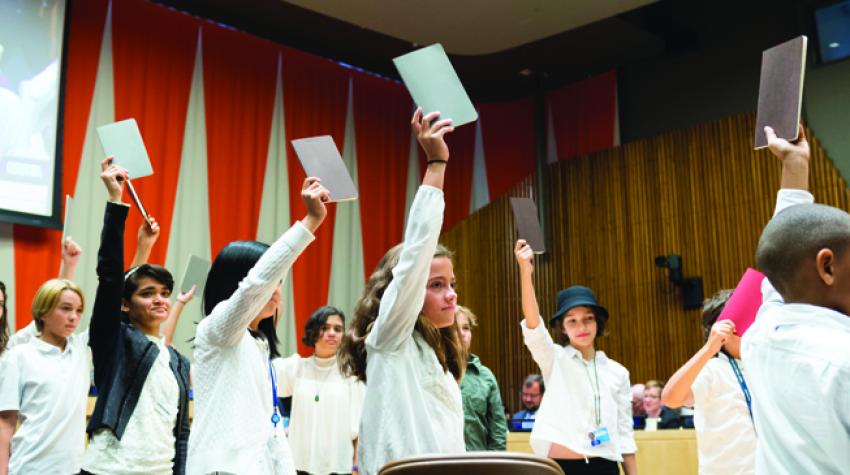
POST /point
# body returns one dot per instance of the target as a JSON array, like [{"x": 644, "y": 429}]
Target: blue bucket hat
[{"x": 577, "y": 296}]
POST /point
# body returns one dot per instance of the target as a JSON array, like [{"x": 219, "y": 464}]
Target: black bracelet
[{"x": 437, "y": 161}]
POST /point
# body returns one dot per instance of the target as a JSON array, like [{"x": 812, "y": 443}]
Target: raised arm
[
  {"x": 537, "y": 338},
  {"x": 145, "y": 239},
  {"x": 678, "y": 391},
  {"x": 170, "y": 324},
  {"x": 71, "y": 252},
  {"x": 227, "y": 322},
  {"x": 106, "y": 319},
  {"x": 525, "y": 260},
  {"x": 795, "y": 158},
  {"x": 403, "y": 299}
]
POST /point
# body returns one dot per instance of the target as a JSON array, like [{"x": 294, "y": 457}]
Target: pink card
[{"x": 744, "y": 302}]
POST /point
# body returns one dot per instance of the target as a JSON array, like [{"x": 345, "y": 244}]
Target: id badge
[{"x": 599, "y": 437}]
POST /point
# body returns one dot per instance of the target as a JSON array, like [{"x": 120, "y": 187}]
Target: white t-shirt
[
  {"x": 726, "y": 439},
  {"x": 49, "y": 389},
  {"x": 325, "y": 414},
  {"x": 147, "y": 445}
]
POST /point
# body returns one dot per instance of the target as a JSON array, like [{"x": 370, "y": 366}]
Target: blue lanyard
[
  {"x": 275, "y": 400},
  {"x": 737, "y": 370}
]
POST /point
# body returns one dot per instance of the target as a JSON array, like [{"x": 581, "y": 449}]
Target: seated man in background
[
  {"x": 637, "y": 400},
  {"x": 657, "y": 416},
  {"x": 532, "y": 393}
]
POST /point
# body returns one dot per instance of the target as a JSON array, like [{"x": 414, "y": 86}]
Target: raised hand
[
  {"x": 431, "y": 136},
  {"x": 721, "y": 332},
  {"x": 785, "y": 150},
  {"x": 114, "y": 177},
  {"x": 794, "y": 156},
  {"x": 187, "y": 296},
  {"x": 524, "y": 256},
  {"x": 148, "y": 233},
  {"x": 71, "y": 251},
  {"x": 314, "y": 195}
]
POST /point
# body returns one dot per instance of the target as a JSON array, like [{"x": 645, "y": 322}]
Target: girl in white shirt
[
  {"x": 238, "y": 427},
  {"x": 585, "y": 419},
  {"x": 326, "y": 405},
  {"x": 404, "y": 342},
  {"x": 44, "y": 386}
]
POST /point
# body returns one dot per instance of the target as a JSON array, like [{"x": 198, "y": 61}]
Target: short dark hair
[
  {"x": 230, "y": 266},
  {"x": 313, "y": 327},
  {"x": 712, "y": 307},
  {"x": 534, "y": 378},
  {"x": 152, "y": 271},
  {"x": 795, "y": 235}
]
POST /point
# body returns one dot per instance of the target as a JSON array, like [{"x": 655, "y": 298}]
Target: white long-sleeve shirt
[
  {"x": 567, "y": 412},
  {"x": 412, "y": 406},
  {"x": 232, "y": 431},
  {"x": 798, "y": 369}
]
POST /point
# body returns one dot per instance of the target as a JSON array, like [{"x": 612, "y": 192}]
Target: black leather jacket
[{"x": 123, "y": 355}]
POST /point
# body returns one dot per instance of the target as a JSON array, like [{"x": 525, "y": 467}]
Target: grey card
[
  {"x": 783, "y": 69},
  {"x": 321, "y": 159},
  {"x": 66, "y": 224},
  {"x": 123, "y": 141},
  {"x": 434, "y": 85},
  {"x": 195, "y": 274},
  {"x": 527, "y": 224}
]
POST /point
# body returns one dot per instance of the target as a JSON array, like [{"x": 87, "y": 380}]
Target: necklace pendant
[{"x": 316, "y": 398}]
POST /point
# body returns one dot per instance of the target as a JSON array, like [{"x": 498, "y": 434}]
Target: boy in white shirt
[
  {"x": 709, "y": 383},
  {"x": 796, "y": 353}
]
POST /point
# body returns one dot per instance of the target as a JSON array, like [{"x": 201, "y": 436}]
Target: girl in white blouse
[
  {"x": 404, "y": 342},
  {"x": 585, "y": 419},
  {"x": 238, "y": 427},
  {"x": 326, "y": 405}
]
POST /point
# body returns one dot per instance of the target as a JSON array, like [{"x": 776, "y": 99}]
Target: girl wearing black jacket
[{"x": 140, "y": 423}]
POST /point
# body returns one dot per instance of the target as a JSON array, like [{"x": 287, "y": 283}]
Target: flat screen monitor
[
  {"x": 32, "y": 42},
  {"x": 833, "y": 25}
]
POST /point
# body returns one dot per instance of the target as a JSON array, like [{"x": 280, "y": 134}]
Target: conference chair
[{"x": 473, "y": 463}]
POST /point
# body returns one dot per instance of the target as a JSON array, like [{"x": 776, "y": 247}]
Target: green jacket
[{"x": 484, "y": 416}]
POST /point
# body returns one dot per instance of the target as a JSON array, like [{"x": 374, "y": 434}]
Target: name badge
[{"x": 599, "y": 437}]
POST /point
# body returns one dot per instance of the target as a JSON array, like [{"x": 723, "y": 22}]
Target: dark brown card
[
  {"x": 527, "y": 224},
  {"x": 781, "y": 90}
]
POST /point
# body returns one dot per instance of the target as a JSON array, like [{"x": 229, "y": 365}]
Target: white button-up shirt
[
  {"x": 567, "y": 412},
  {"x": 798, "y": 368},
  {"x": 49, "y": 388}
]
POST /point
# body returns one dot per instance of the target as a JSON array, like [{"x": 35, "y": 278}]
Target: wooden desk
[{"x": 663, "y": 452}]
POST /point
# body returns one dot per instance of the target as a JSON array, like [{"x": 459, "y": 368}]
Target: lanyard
[
  {"x": 275, "y": 400},
  {"x": 595, "y": 389},
  {"x": 737, "y": 370}
]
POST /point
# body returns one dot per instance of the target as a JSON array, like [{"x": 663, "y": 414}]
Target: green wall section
[{"x": 827, "y": 110}]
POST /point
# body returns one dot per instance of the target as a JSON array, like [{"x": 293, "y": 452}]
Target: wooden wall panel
[{"x": 702, "y": 193}]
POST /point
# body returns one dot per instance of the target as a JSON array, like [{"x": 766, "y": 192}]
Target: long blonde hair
[{"x": 444, "y": 341}]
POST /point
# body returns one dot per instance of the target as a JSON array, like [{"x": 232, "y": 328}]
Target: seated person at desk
[
  {"x": 664, "y": 417},
  {"x": 532, "y": 394}
]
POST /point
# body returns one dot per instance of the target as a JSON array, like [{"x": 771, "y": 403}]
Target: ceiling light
[{"x": 834, "y": 44}]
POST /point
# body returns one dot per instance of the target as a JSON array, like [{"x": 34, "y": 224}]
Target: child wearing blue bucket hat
[{"x": 585, "y": 419}]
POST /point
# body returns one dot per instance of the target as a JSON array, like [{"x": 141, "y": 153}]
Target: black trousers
[{"x": 592, "y": 466}]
